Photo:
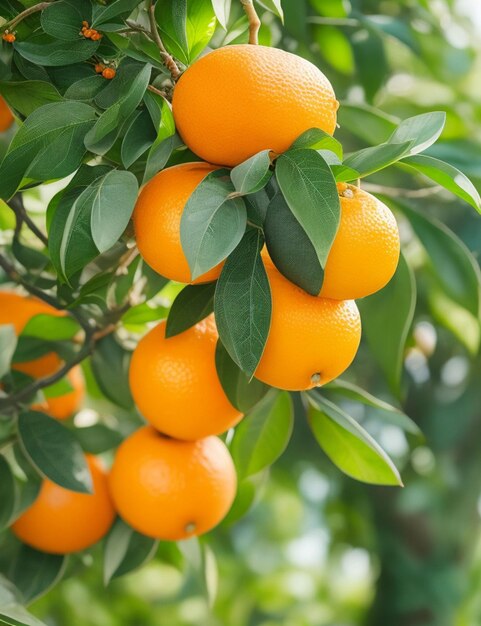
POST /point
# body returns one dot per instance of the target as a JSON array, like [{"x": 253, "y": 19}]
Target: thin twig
[
  {"x": 169, "y": 62},
  {"x": 158, "y": 91},
  {"x": 21, "y": 215},
  {"x": 254, "y": 21},
  {"x": 12, "y": 273},
  {"x": 24, "y": 14},
  {"x": 425, "y": 192}
]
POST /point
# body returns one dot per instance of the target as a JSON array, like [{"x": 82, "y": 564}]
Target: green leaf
[
  {"x": 51, "y": 327},
  {"x": 27, "y": 96},
  {"x": 8, "y": 344},
  {"x": 48, "y": 145},
  {"x": 309, "y": 188},
  {"x": 262, "y": 436},
  {"x": 85, "y": 89},
  {"x": 193, "y": 304},
  {"x": 16, "y": 615},
  {"x": 34, "y": 572},
  {"x": 98, "y": 438},
  {"x": 317, "y": 139},
  {"x": 125, "y": 551},
  {"x": 186, "y": 26},
  {"x": 138, "y": 139},
  {"x": 54, "y": 451},
  {"x": 53, "y": 53},
  {"x": 159, "y": 154},
  {"x": 290, "y": 248},
  {"x": 29, "y": 485},
  {"x": 7, "y": 493},
  {"x": 274, "y": 6},
  {"x": 202, "y": 572},
  {"x": 243, "y": 393},
  {"x": 113, "y": 199},
  {"x": 421, "y": 130},
  {"x": 167, "y": 140},
  {"x": 63, "y": 20},
  {"x": 449, "y": 259},
  {"x": 242, "y": 303},
  {"x": 104, "y": 13},
  {"x": 371, "y": 62},
  {"x": 253, "y": 174},
  {"x": 366, "y": 122},
  {"x": 222, "y": 11},
  {"x": 387, "y": 316},
  {"x": 370, "y": 160},
  {"x": 212, "y": 223},
  {"x": 447, "y": 176},
  {"x": 349, "y": 446},
  {"x": 107, "y": 128},
  {"x": 110, "y": 365},
  {"x": 71, "y": 244},
  {"x": 390, "y": 413}
]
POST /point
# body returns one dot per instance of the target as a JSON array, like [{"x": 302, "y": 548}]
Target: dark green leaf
[
  {"x": 48, "y": 145},
  {"x": 52, "y": 53},
  {"x": 193, "y": 304},
  {"x": 309, "y": 188},
  {"x": 447, "y": 176},
  {"x": 125, "y": 551},
  {"x": 370, "y": 160},
  {"x": 186, "y": 26},
  {"x": 63, "y": 20},
  {"x": 34, "y": 572},
  {"x": 85, "y": 89},
  {"x": 8, "y": 344},
  {"x": 54, "y": 451},
  {"x": 422, "y": 131},
  {"x": 317, "y": 139},
  {"x": 98, "y": 438},
  {"x": 212, "y": 223},
  {"x": 290, "y": 248},
  {"x": 110, "y": 365},
  {"x": 262, "y": 436},
  {"x": 29, "y": 95},
  {"x": 243, "y": 393},
  {"x": 7, "y": 493},
  {"x": 139, "y": 137},
  {"x": 242, "y": 303},
  {"x": 104, "y": 13},
  {"x": 159, "y": 154},
  {"x": 349, "y": 446},
  {"x": 253, "y": 174},
  {"x": 113, "y": 199},
  {"x": 387, "y": 316}
]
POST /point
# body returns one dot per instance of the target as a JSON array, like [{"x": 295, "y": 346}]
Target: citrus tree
[{"x": 247, "y": 199}]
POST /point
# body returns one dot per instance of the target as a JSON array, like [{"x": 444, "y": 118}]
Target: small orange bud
[
  {"x": 99, "y": 68},
  {"x": 8, "y": 37},
  {"x": 109, "y": 73},
  {"x": 89, "y": 32},
  {"x": 96, "y": 36},
  {"x": 85, "y": 24}
]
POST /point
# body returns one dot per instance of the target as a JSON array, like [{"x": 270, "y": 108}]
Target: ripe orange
[
  {"x": 241, "y": 99},
  {"x": 18, "y": 310},
  {"x": 175, "y": 385},
  {"x": 6, "y": 117},
  {"x": 170, "y": 489},
  {"x": 311, "y": 340},
  {"x": 365, "y": 252},
  {"x": 157, "y": 218},
  {"x": 62, "y": 521}
]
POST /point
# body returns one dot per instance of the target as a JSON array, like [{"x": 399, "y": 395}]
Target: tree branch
[
  {"x": 24, "y": 14},
  {"x": 254, "y": 21},
  {"x": 16, "y": 205},
  {"x": 169, "y": 62}
]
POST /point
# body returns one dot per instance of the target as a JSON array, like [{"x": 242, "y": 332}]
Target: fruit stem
[
  {"x": 254, "y": 21},
  {"x": 169, "y": 62}
]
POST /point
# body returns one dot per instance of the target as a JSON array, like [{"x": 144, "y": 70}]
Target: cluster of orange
[
  {"x": 174, "y": 478},
  {"x": 8, "y": 36},
  {"x": 107, "y": 72},
  {"x": 90, "y": 33}
]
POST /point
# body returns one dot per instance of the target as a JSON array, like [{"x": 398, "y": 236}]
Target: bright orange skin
[
  {"x": 175, "y": 385},
  {"x": 64, "y": 406},
  {"x": 309, "y": 336},
  {"x": 157, "y": 216},
  {"x": 241, "y": 99},
  {"x": 365, "y": 252},
  {"x": 170, "y": 489},
  {"x": 18, "y": 310},
  {"x": 62, "y": 521}
]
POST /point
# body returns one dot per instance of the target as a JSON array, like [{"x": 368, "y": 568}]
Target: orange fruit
[
  {"x": 62, "y": 521},
  {"x": 157, "y": 216},
  {"x": 365, "y": 251},
  {"x": 18, "y": 310},
  {"x": 63, "y": 406},
  {"x": 109, "y": 72},
  {"x": 241, "y": 99},
  {"x": 175, "y": 385},
  {"x": 311, "y": 340},
  {"x": 170, "y": 489}
]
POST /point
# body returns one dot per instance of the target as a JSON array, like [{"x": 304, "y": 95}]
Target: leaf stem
[
  {"x": 169, "y": 62},
  {"x": 24, "y": 14},
  {"x": 254, "y": 21}
]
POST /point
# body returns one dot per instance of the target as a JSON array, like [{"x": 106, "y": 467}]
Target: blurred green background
[{"x": 318, "y": 548}]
